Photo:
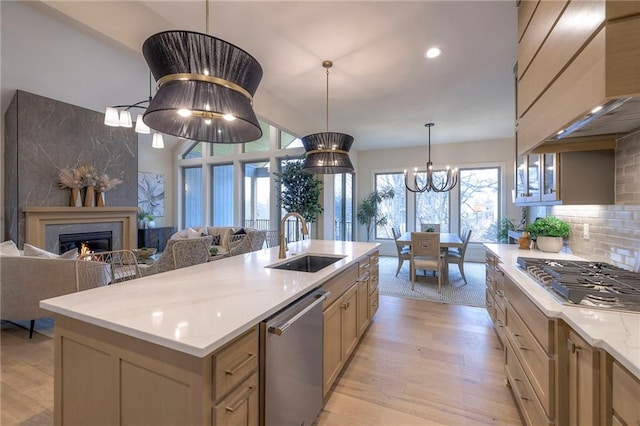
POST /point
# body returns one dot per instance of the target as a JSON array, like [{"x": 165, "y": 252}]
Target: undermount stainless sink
[{"x": 307, "y": 263}]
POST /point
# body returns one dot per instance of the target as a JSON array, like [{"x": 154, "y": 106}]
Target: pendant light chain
[
  {"x": 327, "y": 99},
  {"x": 206, "y": 26}
]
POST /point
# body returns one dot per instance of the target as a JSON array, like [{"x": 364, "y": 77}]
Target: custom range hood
[{"x": 616, "y": 117}]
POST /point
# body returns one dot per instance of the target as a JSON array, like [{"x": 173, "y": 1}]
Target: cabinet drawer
[
  {"x": 339, "y": 284},
  {"x": 533, "y": 359},
  {"x": 364, "y": 265},
  {"x": 374, "y": 281},
  {"x": 499, "y": 323},
  {"x": 241, "y": 406},
  {"x": 625, "y": 391},
  {"x": 532, "y": 410},
  {"x": 374, "y": 300},
  {"x": 491, "y": 305},
  {"x": 234, "y": 362},
  {"x": 536, "y": 321}
]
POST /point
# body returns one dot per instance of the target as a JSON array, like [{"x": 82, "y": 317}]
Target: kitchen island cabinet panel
[
  {"x": 625, "y": 395},
  {"x": 584, "y": 381}
]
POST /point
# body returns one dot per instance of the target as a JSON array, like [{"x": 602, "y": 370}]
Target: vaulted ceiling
[{"x": 382, "y": 89}]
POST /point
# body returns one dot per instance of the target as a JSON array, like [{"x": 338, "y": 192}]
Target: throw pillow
[
  {"x": 192, "y": 233},
  {"x": 216, "y": 240},
  {"x": 240, "y": 232},
  {"x": 9, "y": 248},
  {"x": 203, "y": 231},
  {"x": 34, "y": 251}
]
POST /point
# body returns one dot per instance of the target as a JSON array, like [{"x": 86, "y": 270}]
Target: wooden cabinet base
[{"x": 104, "y": 377}]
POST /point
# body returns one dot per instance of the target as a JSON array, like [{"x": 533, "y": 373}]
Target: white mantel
[{"x": 38, "y": 218}]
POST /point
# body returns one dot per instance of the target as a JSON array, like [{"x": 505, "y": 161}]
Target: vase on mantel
[
  {"x": 90, "y": 197},
  {"x": 100, "y": 200},
  {"x": 76, "y": 198}
]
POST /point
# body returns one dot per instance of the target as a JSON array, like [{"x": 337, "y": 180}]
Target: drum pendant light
[
  {"x": 328, "y": 152},
  {"x": 205, "y": 87}
]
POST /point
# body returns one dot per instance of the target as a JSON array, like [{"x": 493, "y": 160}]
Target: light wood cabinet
[
  {"x": 625, "y": 396},
  {"x": 495, "y": 294},
  {"x": 530, "y": 355},
  {"x": 347, "y": 314},
  {"x": 583, "y": 381},
  {"x": 100, "y": 374},
  {"x": 340, "y": 335},
  {"x": 558, "y": 178},
  {"x": 568, "y": 66}
]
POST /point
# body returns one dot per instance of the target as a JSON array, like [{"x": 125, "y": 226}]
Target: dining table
[{"x": 447, "y": 240}]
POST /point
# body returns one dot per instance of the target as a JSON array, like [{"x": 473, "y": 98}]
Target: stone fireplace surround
[{"x": 43, "y": 225}]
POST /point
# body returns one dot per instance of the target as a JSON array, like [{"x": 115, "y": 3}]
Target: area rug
[{"x": 426, "y": 288}]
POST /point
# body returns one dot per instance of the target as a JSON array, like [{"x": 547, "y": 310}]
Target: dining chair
[
  {"x": 425, "y": 254},
  {"x": 430, "y": 227},
  {"x": 106, "y": 267},
  {"x": 457, "y": 256},
  {"x": 403, "y": 251},
  {"x": 187, "y": 252}
]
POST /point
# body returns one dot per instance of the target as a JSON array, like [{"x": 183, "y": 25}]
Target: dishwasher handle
[{"x": 279, "y": 330}]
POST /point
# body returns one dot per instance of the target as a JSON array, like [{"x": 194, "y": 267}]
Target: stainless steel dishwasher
[{"x": 291, "y": 362}]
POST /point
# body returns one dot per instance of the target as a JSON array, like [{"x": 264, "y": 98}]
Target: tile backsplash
[{"x": 614, "y": 230}]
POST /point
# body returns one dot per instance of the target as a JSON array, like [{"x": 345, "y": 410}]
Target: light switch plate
[{"x": 585, "y": 231}]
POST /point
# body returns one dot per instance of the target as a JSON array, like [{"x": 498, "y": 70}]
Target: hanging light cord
[
  {"x": 207, "y": 18},
  {"x": 327, "y": 65}
]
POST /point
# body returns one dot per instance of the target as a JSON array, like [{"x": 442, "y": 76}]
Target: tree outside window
[
  {"x": 479, "y": 203},
  {"x": 395, "y": 209}
]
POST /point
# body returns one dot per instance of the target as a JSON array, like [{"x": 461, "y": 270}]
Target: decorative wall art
[{"x": 151, "y": 193}]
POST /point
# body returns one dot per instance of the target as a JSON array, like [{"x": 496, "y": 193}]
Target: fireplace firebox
[{"x": 95, "y": 241}]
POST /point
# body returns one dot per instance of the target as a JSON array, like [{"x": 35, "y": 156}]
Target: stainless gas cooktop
[{"x": 587, "y": 283}]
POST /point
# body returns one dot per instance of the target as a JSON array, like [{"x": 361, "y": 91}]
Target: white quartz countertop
[
  {"x": 617, "y": 332},
  {"x": 197, "y": 310}
]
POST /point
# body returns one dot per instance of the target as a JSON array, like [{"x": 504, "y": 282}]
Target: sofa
[
  {"x": 26, "y": 280},
  {"x": 222, "y": 236}
]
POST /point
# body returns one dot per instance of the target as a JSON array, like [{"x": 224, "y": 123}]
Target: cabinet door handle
[
  {"x": 241, "y": 400},
  {"x": 241, "y": 364},
  {"x": 499, "y": 293},
  {"x": 365, "y": 266},
  {"x": 346, "y": 305},
  {"x": 519, "y": 390},
  {"x": 572, "y": 347},
  {"x": 520, "y": 345}
]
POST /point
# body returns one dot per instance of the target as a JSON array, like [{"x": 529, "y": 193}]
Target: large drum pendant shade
[
  {"x": 205, "y": 88},
  {"x": 327, "y": 153}
]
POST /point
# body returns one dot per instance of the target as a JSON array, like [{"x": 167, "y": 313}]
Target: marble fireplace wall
[{"x": 42, "y": 136}]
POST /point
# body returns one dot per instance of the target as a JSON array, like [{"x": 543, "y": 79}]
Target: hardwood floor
[
  {"x": 420, "y": 363},
  {"x": 424, "y": 363}
]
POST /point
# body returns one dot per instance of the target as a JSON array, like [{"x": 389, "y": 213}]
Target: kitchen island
[
  {"x": 181, "y": 346},
  {"x": 567, "y": 364}
]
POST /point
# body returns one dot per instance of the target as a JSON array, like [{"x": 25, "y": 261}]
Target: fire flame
[{"x": 84, "y": 250}]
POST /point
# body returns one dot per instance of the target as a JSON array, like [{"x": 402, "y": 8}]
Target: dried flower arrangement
[
  {"x": 70, "y": 178},
  {"x": 104, "y": 184},
  {"x": 88, "y": 175}
]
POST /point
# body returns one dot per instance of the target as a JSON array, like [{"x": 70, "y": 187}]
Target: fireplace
[{"x": 95, "y": 241}]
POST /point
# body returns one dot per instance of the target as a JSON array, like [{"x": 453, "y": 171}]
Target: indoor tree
[
  {"x": 368, "y": 210},
  {"x": 300, "y": 191}
]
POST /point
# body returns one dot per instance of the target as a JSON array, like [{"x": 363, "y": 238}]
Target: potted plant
[
  {"x": 548, "y": 233},
  {"x": 368, "y": 210}
]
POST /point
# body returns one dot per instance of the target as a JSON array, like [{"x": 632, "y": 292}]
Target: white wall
[{"x": 456, "y": 155}]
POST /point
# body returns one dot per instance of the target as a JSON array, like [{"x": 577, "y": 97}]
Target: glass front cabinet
[{"x": 536, "y": 178}]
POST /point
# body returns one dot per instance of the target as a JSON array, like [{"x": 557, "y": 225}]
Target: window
[
  {"x": 257, "y": 195},
  {"x": 394, "y": 209},
  {"x": 343, "y": 207},
  {"x": 195, "y": 151},
  {"x": 479, "y": 206},
  {"x": 289, "y": 141},
  {"x": 221, "y": 149},
  {"x": 222, "y": 195},
  {"x": 432, "y": 207},
  {"x": 192, "y": 177},
  {"x": 261, "y": 144}
]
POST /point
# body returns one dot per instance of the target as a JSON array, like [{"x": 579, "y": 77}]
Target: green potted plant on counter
[{"x": 548, "y": 233}]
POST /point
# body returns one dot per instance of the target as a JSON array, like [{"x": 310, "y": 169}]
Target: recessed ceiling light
[{"x": 433, "y": 52}]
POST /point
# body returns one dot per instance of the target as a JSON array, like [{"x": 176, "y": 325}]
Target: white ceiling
[{"x": 381, "y": 88}]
